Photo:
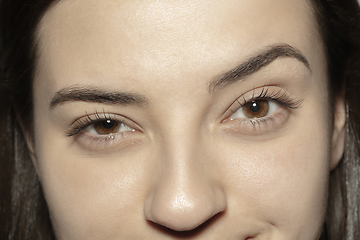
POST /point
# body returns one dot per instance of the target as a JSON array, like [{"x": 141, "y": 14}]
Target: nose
[{"x": 185, "y": 194}]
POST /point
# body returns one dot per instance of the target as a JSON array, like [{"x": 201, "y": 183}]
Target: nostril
[
  {"x": 181, "y": 210},
  {"x": 182, "y": 200},
  {"x": 188, "y": 233},
  {"x": 251, "y": 238}
]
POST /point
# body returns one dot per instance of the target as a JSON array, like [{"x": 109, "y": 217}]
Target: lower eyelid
[
  {"x": 97, "y": 137},
  {"x": 117, "y": 141},
  {"x": 256, "y": 126},
  {"x": 84, "y": 134},
  {"x": 267, "y": 92}
]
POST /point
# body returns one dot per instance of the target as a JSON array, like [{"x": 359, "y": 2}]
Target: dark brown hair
[
  {"x": 23, "y": 210},
  {"x": 339, "y": 26}
]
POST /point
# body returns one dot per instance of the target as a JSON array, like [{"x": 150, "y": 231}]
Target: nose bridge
[{"x": 185, "y": 195}]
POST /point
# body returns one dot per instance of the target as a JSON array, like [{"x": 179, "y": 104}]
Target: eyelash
[
  {"x": 281, "y": 97},
  {"x": 87, "y": 121}
]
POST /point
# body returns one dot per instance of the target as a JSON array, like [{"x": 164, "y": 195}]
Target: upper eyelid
[
  {"x": 262, "y": 95},
  {"x": 264, "y": 92},
  {"x": 281, "y": 95},
  {"x": 87, "y": 120}
]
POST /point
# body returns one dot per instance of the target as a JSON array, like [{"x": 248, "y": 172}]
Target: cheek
[
  {"x": 97, "y": 196},
  {"x": 282, "y": 181}
]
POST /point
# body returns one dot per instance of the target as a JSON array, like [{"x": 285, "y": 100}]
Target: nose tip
[{"x": 184, "y": 209}]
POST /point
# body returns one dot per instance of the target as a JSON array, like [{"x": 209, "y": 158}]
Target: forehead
[{"x": 135, "y": 41}]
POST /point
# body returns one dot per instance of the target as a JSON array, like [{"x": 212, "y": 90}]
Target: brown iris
[
  {"x": 107, "y": 127},
  {"x": 256, "y": 109}
]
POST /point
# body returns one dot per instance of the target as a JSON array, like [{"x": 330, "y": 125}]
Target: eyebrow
[
  {"x": 96, "y": 95},
  {"x": 255, "y": 63},
  {"x": 250, "y": 66}
]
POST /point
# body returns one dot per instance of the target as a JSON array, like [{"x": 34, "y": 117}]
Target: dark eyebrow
[
  {"x": 96, "y": 95},
  {"x": 255, "y": 63}
]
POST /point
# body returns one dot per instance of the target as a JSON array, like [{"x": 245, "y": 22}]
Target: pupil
[
  {"x": 108, "y": 124},
  {"x": 254, "y": 106}
]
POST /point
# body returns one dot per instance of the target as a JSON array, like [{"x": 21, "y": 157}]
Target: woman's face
[{"x": 183, "y": 119}]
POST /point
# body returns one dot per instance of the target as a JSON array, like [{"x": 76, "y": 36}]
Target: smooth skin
[{"x": 174, "y": 157}]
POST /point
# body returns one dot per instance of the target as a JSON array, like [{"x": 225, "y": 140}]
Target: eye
[
  {"x": 260, "y": 111},
  {"x": 105, "y": 131},
  {"x": 255, "y": 109},
  {"x": 102, "y": 125},
  {"x": 107, "y": 127}
]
